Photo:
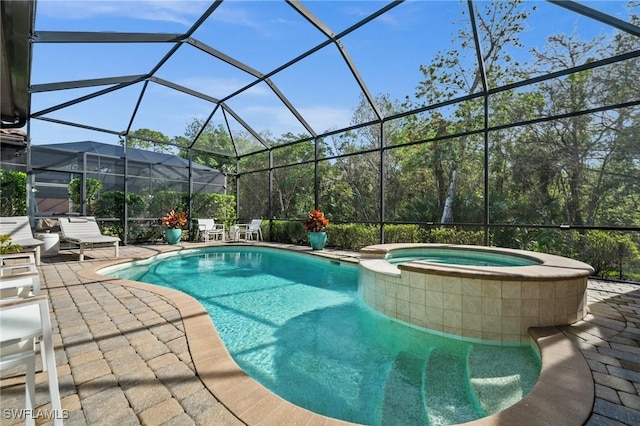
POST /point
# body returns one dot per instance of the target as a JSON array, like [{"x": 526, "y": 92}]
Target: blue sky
[{"x": 262, "y": 35}]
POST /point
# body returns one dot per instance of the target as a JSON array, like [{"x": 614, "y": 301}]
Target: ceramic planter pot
[
  {"x": 172, "y": 235},
  {"x": 318, "y": 240}
]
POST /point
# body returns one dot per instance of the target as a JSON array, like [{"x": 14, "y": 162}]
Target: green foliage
[
  {"x": 146, "y": 139},
  {"x": 352, "y": 236},
  {"x": 454, "y": 236},
  {"x": 13, "y": 193},
  {"x": 6, "y": 246},
  {"x": 92, "y": 192},
  {"x": 111, "y": 204},
  {"x": 403, "y": 234},
  {"x": 144, "y": 233},
  {"x": 342, "y": 236},
  {"x": 165, "y": 201},
  {"x": 606, "y": 251},
  {"x": 285, "y": 232},
  {"x": 212, "y": 139},
  {"x": 222, "y": 207}
]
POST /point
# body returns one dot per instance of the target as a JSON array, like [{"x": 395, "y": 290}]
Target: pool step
[
  {"x": 497, "y": 384},
  {"x": 443, "y": 376},
  {"x": 403, "y": 403}
]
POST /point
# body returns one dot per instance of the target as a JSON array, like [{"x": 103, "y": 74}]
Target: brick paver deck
[{"x": 123, "y": 356}]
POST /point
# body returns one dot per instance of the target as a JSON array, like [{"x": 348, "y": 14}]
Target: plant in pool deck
[
  {"x": 6, "y": 246},
  {"x": 173, "y": 220},
  {"x": 315, "y": 222}
]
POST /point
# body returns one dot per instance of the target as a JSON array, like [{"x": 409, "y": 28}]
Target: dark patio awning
[{"x": 17, "y": 24}]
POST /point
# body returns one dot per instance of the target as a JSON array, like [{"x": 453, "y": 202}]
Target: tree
[
  {"x": 92, "y": 194},
  {"x": 213, "y": 147},
  {"x": 146, "y": 139},
  {"x": 447, "y": 76}
]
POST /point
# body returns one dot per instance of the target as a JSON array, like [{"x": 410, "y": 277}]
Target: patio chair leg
[
  {"x": 81, "y": 252},
  {"x": 30, "y": 390}
]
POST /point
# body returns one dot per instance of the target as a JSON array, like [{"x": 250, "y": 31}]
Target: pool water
[
  {"x": 458, "y": 257},
  {"x": 295, "y": 324}
]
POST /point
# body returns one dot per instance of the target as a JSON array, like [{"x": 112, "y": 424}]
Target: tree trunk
[{"x": 447, "y": 211}]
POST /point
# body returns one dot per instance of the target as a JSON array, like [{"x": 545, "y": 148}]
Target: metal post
[
  {"x": 125, "y": 184},
  {"x": 382, "y": 176}
]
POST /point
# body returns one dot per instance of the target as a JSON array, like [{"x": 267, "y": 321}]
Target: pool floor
[{"x": 307, "y": 337}]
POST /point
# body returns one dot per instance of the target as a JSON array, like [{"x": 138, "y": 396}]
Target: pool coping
[
  {"x": 551, "y": 267},
  {"x": 564, "y": 393}
]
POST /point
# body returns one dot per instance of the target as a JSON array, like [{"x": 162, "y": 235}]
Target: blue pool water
[
  {"x": 458, "y": 257},
  {"x": 296, "y": 325}
]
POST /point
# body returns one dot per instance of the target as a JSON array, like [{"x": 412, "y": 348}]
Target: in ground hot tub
[{"x": 476, "y": 292}]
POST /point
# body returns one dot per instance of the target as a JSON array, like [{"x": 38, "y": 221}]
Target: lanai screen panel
[
  {"x": 263, "y": 35},
  {"x": 390, "y": 50},
  {"x": 253, "y": 196},
  {"x": 88, "y": 113},
  {"x": 330, "y": 108}
]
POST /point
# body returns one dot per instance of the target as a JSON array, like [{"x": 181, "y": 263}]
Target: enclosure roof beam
[
  {"x": 290, "y": 107},
  {"x": 204, "y": 126},
  {"x": 81, "y": 126},
  {"x": 83, "y": 98},
  {"x": 76, "y": 84},
  {"x": 251, "y": 71},
  {"x": 184, "y": 89},
  {"x": 223, "y": 57},
  {"x": 316, "y": 22},
  {"x": 255, "y": 134},
  {"x": 573, "y": 6},
  {"x": 103, "y": 37}
]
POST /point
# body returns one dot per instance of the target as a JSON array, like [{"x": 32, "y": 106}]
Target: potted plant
[
  {"x": 316, "y": 224},
  {"x": 174, "y": 223}
]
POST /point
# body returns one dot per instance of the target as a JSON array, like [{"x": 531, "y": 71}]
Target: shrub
[
  {"x": 164, "y": 201},
  {"x": 606, "y": 251},
  {"x": 219, "y": 206},
  {"x": 352, "y": 236},
  {"x": 13, "y": 193},
  {"x": 403, "y": 234},
  {"x": 454, "y": 236},
  {"x": 92, "y": 193}
]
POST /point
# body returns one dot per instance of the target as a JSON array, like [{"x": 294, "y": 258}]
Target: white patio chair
[
  {"x": 19, "y": 229},
  {"x": 84, "y": 232},
  {"x": 19, "y": 276},
  {"x": 254, "y": 228},
  {"x": 22, "y": 321},
  {"x": 208, "y": 228}
]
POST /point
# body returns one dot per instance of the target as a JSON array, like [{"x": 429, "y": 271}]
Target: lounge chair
[
  {"x": 208, "y": 228},
  {"x": 84, "y": 232},
  {"x": 254, "y": 228},
  {"x": 19, "y": 229}
]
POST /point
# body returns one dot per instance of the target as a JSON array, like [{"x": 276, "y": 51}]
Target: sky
[{"x": 263, "y": 35}]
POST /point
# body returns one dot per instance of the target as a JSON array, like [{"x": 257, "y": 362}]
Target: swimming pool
[{"x": 296, "y": 325}]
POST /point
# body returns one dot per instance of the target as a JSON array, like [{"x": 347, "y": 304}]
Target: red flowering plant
[
  {"x": 316, "y": 222},
  {"x": 173, "y": 220}
]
